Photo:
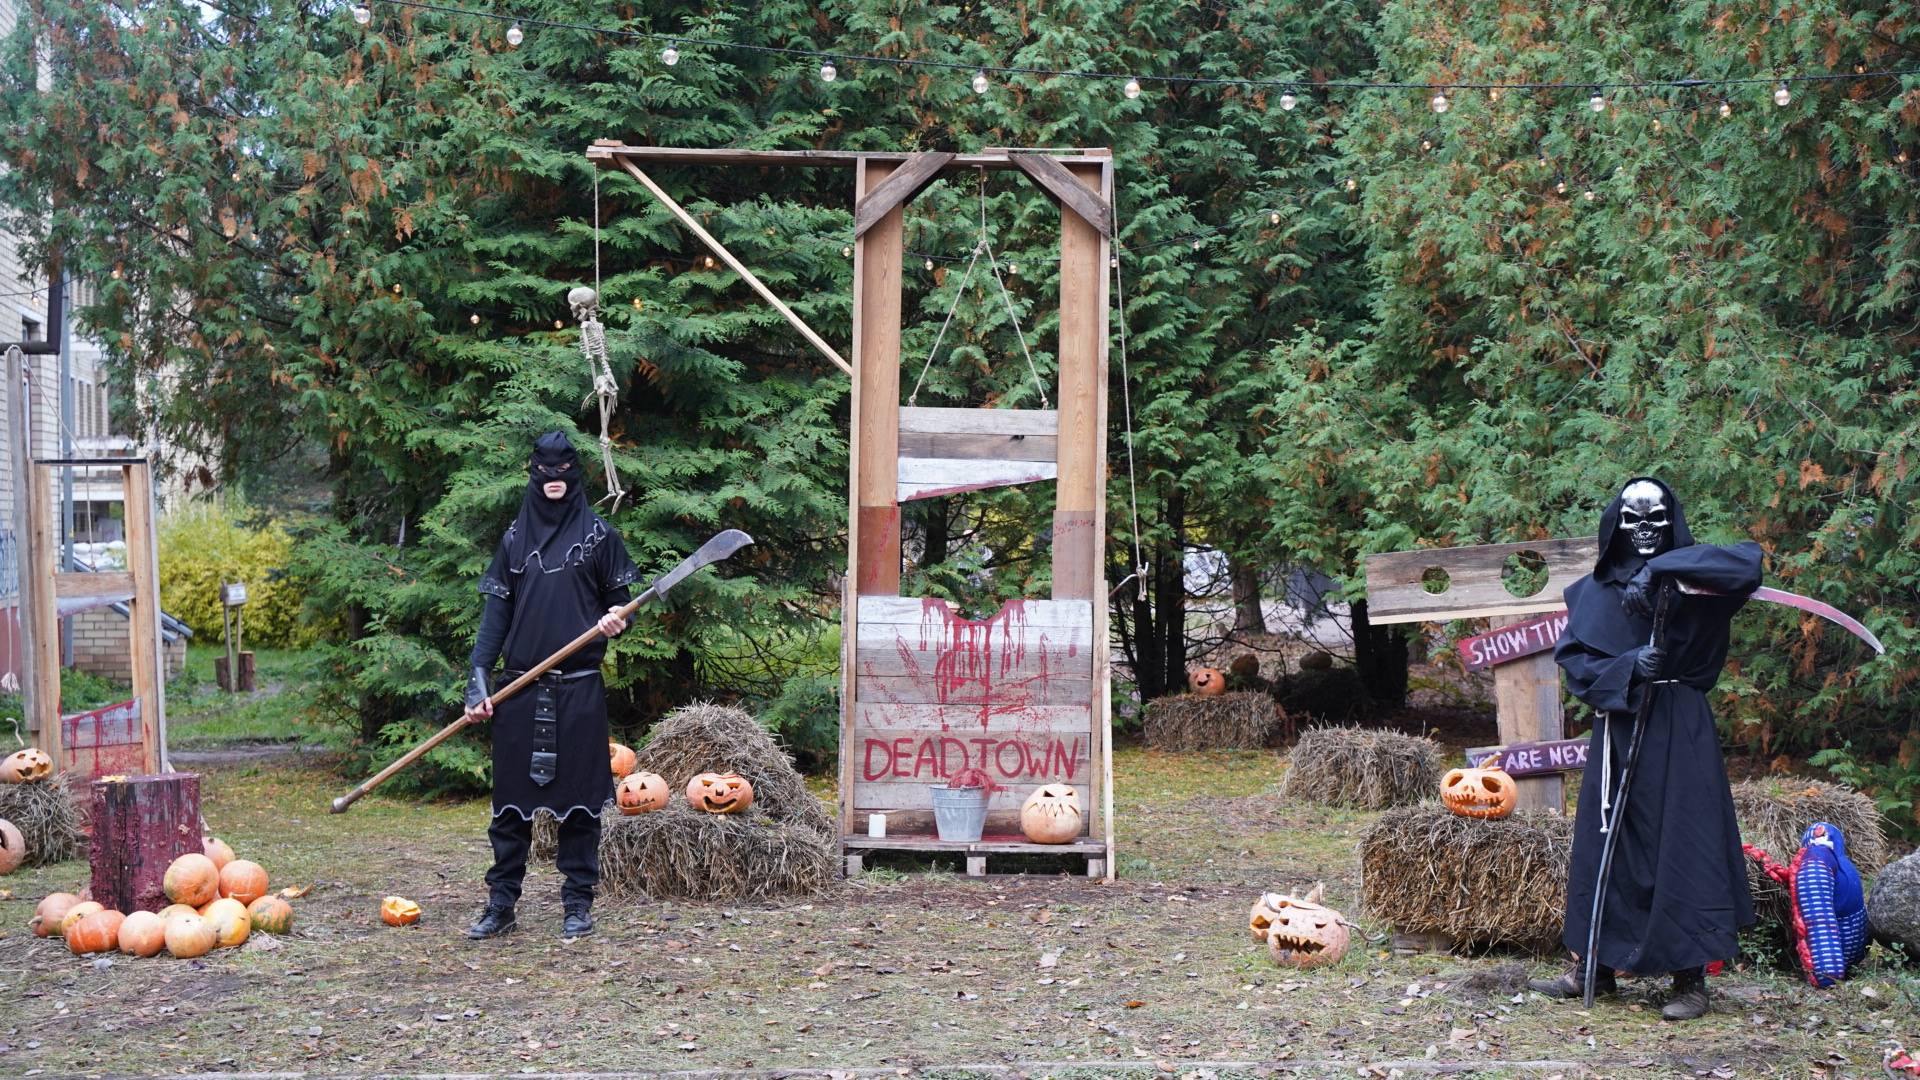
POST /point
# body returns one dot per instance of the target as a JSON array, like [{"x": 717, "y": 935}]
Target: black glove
[
  {"x": 477, "y": 689},
  {"x": 1646, "y": 663},
  {"x": 1637, "y": 597}
]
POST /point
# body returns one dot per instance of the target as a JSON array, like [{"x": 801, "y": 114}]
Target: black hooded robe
[
  {"x": 1677, "y": 895},
  {"x": 557, "y": 571}
]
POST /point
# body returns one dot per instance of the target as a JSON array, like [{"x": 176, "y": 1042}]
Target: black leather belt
[
  {"x": 554, "y": 676},
  {"x": 544, "y": 764}
]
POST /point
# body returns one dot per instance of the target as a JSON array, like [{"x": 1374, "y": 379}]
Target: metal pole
[
  {"x": 57, "y": 316},
  {"x": 20, "y": 458}
]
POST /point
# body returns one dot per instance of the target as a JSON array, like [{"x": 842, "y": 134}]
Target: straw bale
[
  {"x": 1424, "y": 870},
  {"x": 1362, "y": 768}
]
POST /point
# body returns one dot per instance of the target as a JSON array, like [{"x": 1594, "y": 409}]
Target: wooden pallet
[{"x": 855, "y": 849}]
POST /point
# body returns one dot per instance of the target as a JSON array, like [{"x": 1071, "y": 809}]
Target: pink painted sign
[
  {"x": 1504, "y": 643},
  {"x": 1534, "y": 759}
]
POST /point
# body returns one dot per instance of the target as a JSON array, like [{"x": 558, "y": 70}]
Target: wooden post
[
  {"x": 36, "y": 581},
  {"x": 143, "y": 615},
  {"x": 1527, "y": 696},
  {"x": 140, "y": 825},
  {"x": 876, "y": 357},
  {"x": 31, "y": 585}
]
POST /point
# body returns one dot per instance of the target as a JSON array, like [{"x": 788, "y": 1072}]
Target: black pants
[{"x": 578, "y": 857}]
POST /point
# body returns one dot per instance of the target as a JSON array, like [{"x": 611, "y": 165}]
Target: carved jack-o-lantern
[
  {"x": 719, "y": 793},
  {"x": 26, "y": 766},
  {"x": 1485, "y": 792},
  {"x": 1207, "y": 681},
  {"x": 1302, "y": 932},
  {"x": 638, "y": 793},
  {"x": 1051, "y": 815}
]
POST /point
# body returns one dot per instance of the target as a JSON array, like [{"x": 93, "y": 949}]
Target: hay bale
[
  {"x": 1236, "y": 721},
  {"x": 683, "y": 853},
  {"x": 704, "y": 737},
  {"x": 1774, "y": 812},
  {"x": 46, "y": 817},
  {"x": 1424, "y": 870},
  {"x": 1362, "y": 768},
  {"x": 546, "y": 835}
]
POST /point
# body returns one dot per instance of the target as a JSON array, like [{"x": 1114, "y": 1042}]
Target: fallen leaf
[{"x": 293, "y": 892}]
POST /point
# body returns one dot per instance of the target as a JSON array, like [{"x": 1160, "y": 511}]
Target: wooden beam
[
  {"x": 1468, "y": 584},
  {"x": 36, "y": 577},
  {"x": 1077, "y": 534},
  {"x": 1070, "y": 192},
  {"x": 610, "y": 154},
  {"x": 984, "y": 447},
  {"x": 143, "y": 615},
  {"x": 907, "y": 181},
  {"x": 932, "y": 421},
  {"x": 738, "y": 267},
  {"x": 932, "y": 477},
  {"x": 114, "y": 583},
  {"x": 1527, "y": 696},
  {"x": 876, "y": 329}
]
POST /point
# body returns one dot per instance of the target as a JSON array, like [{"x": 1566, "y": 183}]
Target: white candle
[{"x": 876, "y": 824}]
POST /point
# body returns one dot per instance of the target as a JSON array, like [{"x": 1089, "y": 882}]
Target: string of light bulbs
[{"x": 1133, "y": 85}]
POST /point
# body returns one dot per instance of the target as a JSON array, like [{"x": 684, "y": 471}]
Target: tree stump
[{"x": 140, "y": 825}]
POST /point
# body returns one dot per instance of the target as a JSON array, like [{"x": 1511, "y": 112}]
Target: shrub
[{"x": 206, "y": 545}]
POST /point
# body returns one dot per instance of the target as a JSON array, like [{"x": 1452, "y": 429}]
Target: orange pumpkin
[
  {"x": 98, "y": 932},
  {"x": 621, "y": 757},
  {"x": 189, "y": 936},
  {"x": 1206, "y": 681},
  {"x": 192, "y": 879},
  {"x": 1051, "y": 815},
  {"x": 26, "y": 766},
  {"x": 638, "y": 793},
  {"x": 399, "y": 911},
  {"x": 77, "y": 912},
  {"x": 271, "y": 915},
  {"x": 1486, "y": 792},
  {"x": 230, "y": 921},
  {"x": 243, "y": 880},
  {"x": 1302, "y": 932},
  {"x": 13, "y": 847},
  {"x": 216, "y": 849},
  {"x": 719, "y": 793},
  {"x": 143, "y": 934},
  {"x": 171, "y": 910},
  {"x": 52, "y": 908}
]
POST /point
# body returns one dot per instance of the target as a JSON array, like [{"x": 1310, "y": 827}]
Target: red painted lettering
[
  {"x": 867, "y": 771},
  {"x": 927, "y": 760},
  {"x": 902, "y": 751},
  {"x": 1020, "y": 757}
]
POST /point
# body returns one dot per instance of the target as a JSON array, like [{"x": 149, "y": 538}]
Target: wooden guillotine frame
[{"x": 925, "y": 690}]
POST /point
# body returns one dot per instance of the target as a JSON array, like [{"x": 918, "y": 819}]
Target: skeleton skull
[
  {"x": 584, "y": 302},
  {"x": 1646, "y": 518}
]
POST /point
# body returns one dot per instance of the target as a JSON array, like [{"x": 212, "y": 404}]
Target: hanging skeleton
[{"x": 585, "y": 303}]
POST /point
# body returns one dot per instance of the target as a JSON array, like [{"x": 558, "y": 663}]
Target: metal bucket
[{"x": 959, "y": 813}]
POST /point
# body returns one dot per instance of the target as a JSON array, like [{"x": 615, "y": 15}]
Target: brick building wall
[{"x": 100, "y": 646}]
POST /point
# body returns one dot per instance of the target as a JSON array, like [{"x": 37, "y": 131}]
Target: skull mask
[{"x": 1646, "y": 521}]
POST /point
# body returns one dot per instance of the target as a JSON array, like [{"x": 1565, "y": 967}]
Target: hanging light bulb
[
  {"x": 1542, "y": 159},
  {"x": 1559, "y": 185},
  {"x": 1352, "y": 184},
  {"x": 706, "y": 261},
  {"x": 1782, "y": 95},
  {"x": 1726, "y": 108},
  {"x": 1440, "y": 103},
  {"x": 1426, "y": 145},
  {"x": 846, "y": 252},
  {"x": 929, "y": 265},
  {"x": 828, "y": 72},
  {"x": 1273, "y": 217},
  {"x": 1656, "y": 125},
  {"x": 1598, "y": 102},
  {"x": 474, "y": 319},
  {"x": 1132, "y": 89},
  {"x": 1013, "y": 269},
  {"x": 1493, "y": 94},
  {"x": 116, "y": 274},
  {"x": 1588, "y": 195},
  {"x": 515, "y": 35},
  {"x": 636, "y": 303},
  {"x": 980, "y": 82},
  {"x": 669, "y": 56},
  {"x": 1196, "y": 243},
  {"x": 362, "y": 14},
  {"x": 396, "y": 288},
  {"x": 1113, "y": 263},
  {"x": 558, "y": 325},
  {"x": 1288, "y": 101}
]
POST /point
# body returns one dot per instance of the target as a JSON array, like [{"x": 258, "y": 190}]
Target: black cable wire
[{"x": 677, "y": 40}]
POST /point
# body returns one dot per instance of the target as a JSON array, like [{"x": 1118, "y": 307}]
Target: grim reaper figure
[
  {"x": 558, "y": 570},
  {"x": 1677, "y": 892}
]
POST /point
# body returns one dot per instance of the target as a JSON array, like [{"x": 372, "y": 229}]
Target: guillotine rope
[{"x": 1126, "y": 412}]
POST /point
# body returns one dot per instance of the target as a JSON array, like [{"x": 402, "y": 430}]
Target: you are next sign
[{"x": 1534, "y": 759}]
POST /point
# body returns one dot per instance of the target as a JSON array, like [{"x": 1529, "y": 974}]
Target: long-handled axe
[{"x": 720, "y": 547}]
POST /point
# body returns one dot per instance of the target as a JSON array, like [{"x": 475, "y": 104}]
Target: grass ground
[{"x": 906, "y": 973}]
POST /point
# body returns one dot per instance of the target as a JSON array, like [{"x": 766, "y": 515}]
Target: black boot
[
  {"x": 579, "y": 921},
  {"x": 1689, "y": 1000},
  {"x": 493, "y": 922},
  {"x": 1572, "y": 984}
]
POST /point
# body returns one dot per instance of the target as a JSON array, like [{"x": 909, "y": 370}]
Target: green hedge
[{"x": 205, "y": 545}]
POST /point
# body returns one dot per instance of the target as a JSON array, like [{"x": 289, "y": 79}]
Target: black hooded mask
[
  {"x": 1618, "y": 559},
  {"x": 551, "y": 532}
]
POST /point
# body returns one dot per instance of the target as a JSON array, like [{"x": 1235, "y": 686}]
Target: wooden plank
[
  {"x": 927, "y": 420},
  {"x": 972, "y": 721},
  {"x": 983, "y": 447},
  {"x": 1396, "y": 593},
  {"x": 140, "y": 825},
  {"x": 36, "y": 577},
  {"x": 143, "y": 615},
  {"x": 1082, "y": 391},
  {"x": 916, "y": 826},
  {"x": 75, "y": 585},
  {"x": 976, "y": 866},
  {"x": 920, "y": 758},
  {"x": 876, "y": 325},
  {"x": 908, "y": 180},
  {"x": 109, "y": 741},
  {"x": 1536, "y": 758},
  {"x": 984, "y": 845},
  {"x": 924, "y": 690},
  {"x": 740, "y": 268},
  {"x": 1041, "y": 659},
  {"x": 1068, "y": 190},
  {"x": 906, "y": 797},
  {"x": 932, "y": 611},
  {"x": 19, "y": 450},
  {"x": 876, "y": 549},
  {"x": 1527, "y": 709},
  {"x": 1521, "y": 637},
  {"x": 609, "y": 153},
  {"x": 927, "y": 478}
]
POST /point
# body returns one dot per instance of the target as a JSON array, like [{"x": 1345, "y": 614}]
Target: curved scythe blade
[{"x": 1804, "y": 603}]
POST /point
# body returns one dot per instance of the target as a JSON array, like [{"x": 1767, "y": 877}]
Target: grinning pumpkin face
[
  {"x": 1303, "y": 933},
  {"x": 719, "y": 793},
  {"x": 26, "y": 766},
  {"x": 1051, "y": 815},
  {"x": 641, "y": 792},
  {"x": 1207, "y": 681},
  {"x": 1486, "y": 792}
]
